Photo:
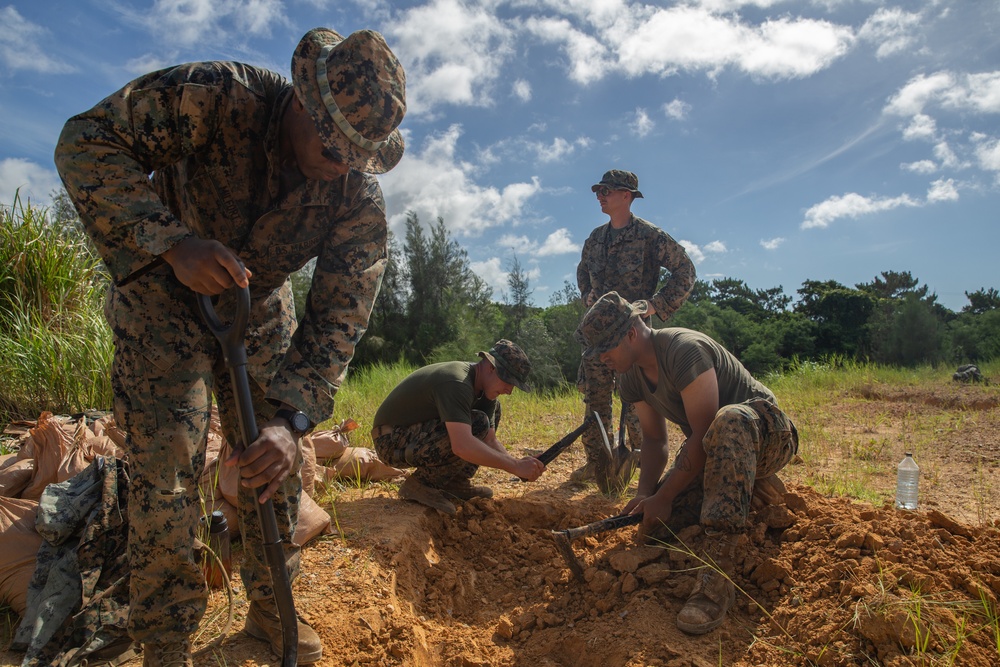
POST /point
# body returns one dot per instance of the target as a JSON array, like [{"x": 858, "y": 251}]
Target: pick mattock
[
  {"x": 234, "y": 353},
  {"x": 555, "y": 450},
  {"x": 563, "y": 538}
]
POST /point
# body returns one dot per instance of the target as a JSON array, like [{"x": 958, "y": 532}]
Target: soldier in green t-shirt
[
  {"x": 442, "y": 420},
  {"x": 735, "y": 435}
]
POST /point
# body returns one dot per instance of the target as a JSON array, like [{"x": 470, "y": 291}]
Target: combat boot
[
  {"x": 264, "y": 623},
  {"x": 584, "y": 473},
  {"x": 415, "y": 490},
  {"x": 714, "y": 593},
  {"x": 463, "y": 489},
  {"x": 167, "y": 654}
]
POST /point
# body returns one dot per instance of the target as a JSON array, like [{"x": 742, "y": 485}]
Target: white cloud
[
  {"x": 920, "y": 167},
  {"x": 942, "y": 190},
  {"x": 589, "y": 58},
  {"x": 454, "y": 53},
  {"x": 988, "y": 154},
  {"x": 190, "y": 22},
  {"x": 921, "y": 126},
  {"x": 35, "y": 183},
  {"x": 946, "y": 156},
  {"x": 520, "y": 245},
  {"x": 695, "y": 253},
  {"x": 522, "y": 90},
  {"x": 22, "y": 45},
  {"x": 434, "y": 182},
  {"x": 716, "y": 247},
  {"x": 676, "y": 109},
  {"x": 851, "y": 205},
  {"x": 891, "y": 29},
  {"x": 976, "y": 93},
  {"x": 641, "y": 124},
  {"x": 772, "y": 244},
  {"x": 558, "y": 242}
]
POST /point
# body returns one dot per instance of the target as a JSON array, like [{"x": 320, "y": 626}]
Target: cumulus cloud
[
  {"x": 22, "y": 45},
  {"x": 976, "y": 93},
  {"x": 454, "y": 53},
  {"x": 716, "y": 247},
  {"x": 558, "y": 242},
  {"x": 923, "y": 167},
  {"x": 31, "y": 181},
  {"x": 434, "y": 182},
  {"x": 190, "y": 22},
  {"x": 892, "y": 29},
  {"x": 851, "y": 205},
  {"x": 695, "y": 253},
  {"x": 522, "y": 90},
  {"x": 491, "y": 271},
  {"x": 988, "y": 154},
  {"x": 772, "y": 244},
  {"x": 641, "y": 124},
  {"x": 676, "y": 110},
  {"x": 921, "y": 126},
  {"x": 942, "y": 190}
]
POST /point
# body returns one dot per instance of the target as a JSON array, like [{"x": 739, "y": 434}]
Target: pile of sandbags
[{"x": 55, "y": 448}]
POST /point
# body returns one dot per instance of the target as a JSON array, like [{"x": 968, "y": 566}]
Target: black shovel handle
[
  {"x": 234, "y": 352},
  {"x": 602, "y": 526}
]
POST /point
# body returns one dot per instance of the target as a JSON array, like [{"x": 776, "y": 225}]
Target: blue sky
[{"x": 778, "y": 141}]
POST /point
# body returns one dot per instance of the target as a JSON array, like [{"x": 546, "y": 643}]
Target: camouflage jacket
[
  {"x": 194, "y": 150},
  {"x": 630, "y": 265}
]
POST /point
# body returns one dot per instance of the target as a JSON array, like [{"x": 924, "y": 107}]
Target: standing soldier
[
  {"x": 203, "y": 176},
  {"x": 624, "y": 255}
]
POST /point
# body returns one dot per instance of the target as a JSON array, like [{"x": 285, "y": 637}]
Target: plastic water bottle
[{"x": 907, "y": 481}]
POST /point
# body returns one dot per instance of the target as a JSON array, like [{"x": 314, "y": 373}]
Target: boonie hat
[
  {"x": 604, "y": 326},
  {"x": 617, "y": 179},
  {"x": 355, "y": 91},
  {"x": 511, "y": 363}
]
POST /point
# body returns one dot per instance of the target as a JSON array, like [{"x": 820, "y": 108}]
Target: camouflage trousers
[
  {"x": 426, "y": 447},
  {"x": 597, "y": 382},
  {"x": 746, "y": 441},
  {"x": 166, "y": 416}
]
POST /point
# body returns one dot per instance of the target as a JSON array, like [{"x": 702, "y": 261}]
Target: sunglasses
[{"x": 604, "y": 191}]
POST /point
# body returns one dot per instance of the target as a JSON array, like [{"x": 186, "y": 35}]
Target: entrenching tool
[
  {"x": 562, "y": 538},
  {"x": 234, "y": 353},
  {"x": 555, "y": 450},
  {"x": 604, "y": 467}
]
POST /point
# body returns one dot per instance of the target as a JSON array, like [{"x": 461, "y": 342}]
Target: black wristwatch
[{"x": 298, "y": 420}]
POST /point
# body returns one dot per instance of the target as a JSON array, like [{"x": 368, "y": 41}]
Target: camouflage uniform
[
  {"x": 629, "y": 263},
  {"x": 409, "y": 428},
  {"x": 208, "y": 133}
]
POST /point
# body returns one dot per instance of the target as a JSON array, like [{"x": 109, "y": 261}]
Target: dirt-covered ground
[{"x": 822, "y": 580}]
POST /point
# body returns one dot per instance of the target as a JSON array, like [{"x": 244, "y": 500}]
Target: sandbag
[
  {"x": 47, "y": 444},
  {"x": 358, "y": 465},
  {"x": 20, "y": 544},
  {"x": 15, "y": 478}
]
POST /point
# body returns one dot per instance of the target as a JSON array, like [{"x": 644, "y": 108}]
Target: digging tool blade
[
  {"x": 604, "y": 465},
  {"x": 558, "y": 448},
  {"x": 563, "y": 538}
]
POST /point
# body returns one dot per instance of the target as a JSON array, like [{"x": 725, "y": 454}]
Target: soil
[{"x": 821, "y": 580}]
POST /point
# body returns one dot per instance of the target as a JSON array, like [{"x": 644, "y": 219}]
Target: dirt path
[{"x": 823, "y": 581}]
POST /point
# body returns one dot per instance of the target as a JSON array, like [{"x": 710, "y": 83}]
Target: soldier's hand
[
  {"x": 528, "y": 468},
  {"x": 269, "y": 461},
  {"x": 656, "y": 510},
  {"x": 632, "y": 504},
  {"x": 206, "y": 266}
]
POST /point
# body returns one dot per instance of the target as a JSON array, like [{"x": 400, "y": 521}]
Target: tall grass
[{"x": 55, "y": 346}]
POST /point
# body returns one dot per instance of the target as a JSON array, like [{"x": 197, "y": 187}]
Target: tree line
[{"x": 433, "y": 307}]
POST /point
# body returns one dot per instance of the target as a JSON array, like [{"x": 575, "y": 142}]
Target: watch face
[{"x": 300, "y": 422}]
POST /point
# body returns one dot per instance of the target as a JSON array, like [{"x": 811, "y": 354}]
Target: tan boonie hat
[
  {"x": 606, "y": 323},
  {"x": 616, "y": 179},
  {"x": 355, "y": 91},
  {"x": 511, "y": 363}
]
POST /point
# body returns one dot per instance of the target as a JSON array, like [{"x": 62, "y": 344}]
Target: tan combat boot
[
  {"x": 167, "y": 654},
  {"x": 415, "y": 490},
  {"x": 263, "y": 623},
  {"x": 714, "y": 593},
  {"x": 584, "y": 473},
  {"x": 464, "y": 489}
]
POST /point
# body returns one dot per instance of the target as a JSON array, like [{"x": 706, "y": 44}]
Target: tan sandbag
[
  {"x": 8, "y": 460},
  {"x": 49, "y": 444},
  {"x": 360, "y": 464},
  {"x": 329, "y": 444},
  {"x": 20, "y": 544},
  {"x": 313, "y": 521},
  {"x": 14, "y": 478},
  {"x": 308, "y": 465}
]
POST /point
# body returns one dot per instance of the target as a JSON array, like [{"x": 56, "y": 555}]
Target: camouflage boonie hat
[
  {"x": 511, "y": 363},
  {"x": 616, "y": 179},
  {"x": 355, "y": 91},
  {"x": 606, "y": 323}
]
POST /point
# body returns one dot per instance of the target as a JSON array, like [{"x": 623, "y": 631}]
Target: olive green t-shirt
[
  {"x": 681, "y": 356},
  {"x": 444, "y": 391}
]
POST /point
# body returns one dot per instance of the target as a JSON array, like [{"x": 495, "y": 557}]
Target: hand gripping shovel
[{"x": 234, "y": 353}]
